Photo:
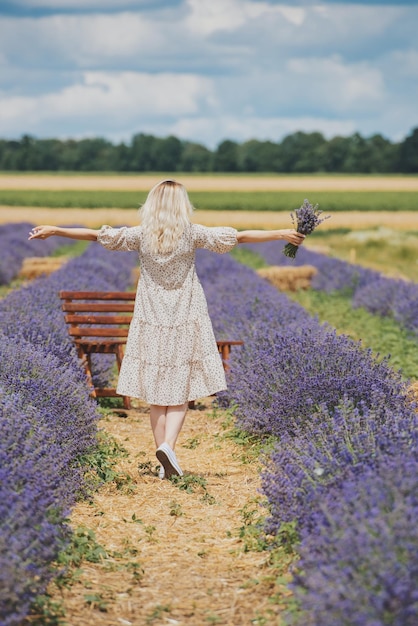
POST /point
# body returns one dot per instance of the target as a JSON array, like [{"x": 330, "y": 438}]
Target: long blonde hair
[{"x": 164, "y": 215}]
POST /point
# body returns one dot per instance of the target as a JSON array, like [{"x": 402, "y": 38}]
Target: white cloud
[
  {"x": 79, "y": 4},
  {"x": 206, "y": 69},
  {"x": 78, "y": 40},
  {"x": 210, "y": 16},
  {"x": 119, "y": 97},
  {"x": 337, "y": 85},
  {"x": 295, "y": 15},
  {"x": 404, "y": 63}
]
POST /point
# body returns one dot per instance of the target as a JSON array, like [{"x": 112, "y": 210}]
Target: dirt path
[{"x": 174, "y": 557}]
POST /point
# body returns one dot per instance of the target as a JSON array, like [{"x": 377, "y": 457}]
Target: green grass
[
  {"x": 219, "y": 200},
  {"x": 391, "y": 252},
  {"x": 76, "y": 248},
  {"x": 381, "y": 334},
  {"x": 249, "y": 258}
]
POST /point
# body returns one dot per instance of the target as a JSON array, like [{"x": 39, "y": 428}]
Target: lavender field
[
  {"x": 341, "y": 467},
  {"x": 368, "y": 288},
  {"x": 15, "y": 247},
  {"x": 47, "y": 423},
  {"x": 345, "y": 426}
]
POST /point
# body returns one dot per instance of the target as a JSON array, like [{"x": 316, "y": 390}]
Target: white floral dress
[{"x": 171, "y": 355}]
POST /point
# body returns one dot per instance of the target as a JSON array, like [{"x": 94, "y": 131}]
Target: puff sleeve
[
  {"x": 119, "y": 238},
  {"x": 218, "y": 239}
]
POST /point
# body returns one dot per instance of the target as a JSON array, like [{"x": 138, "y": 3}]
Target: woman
[{"x": 171, "y": 355}]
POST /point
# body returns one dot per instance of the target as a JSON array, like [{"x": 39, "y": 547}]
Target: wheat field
[{"x": 209, "y": 182}]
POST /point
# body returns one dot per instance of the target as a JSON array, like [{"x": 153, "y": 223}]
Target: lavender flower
[
  {"x": 359, "y": 567},
  {"x": 345, "y": 465},
  {"x": 305, "y": 220},
  {"x": 369, "y": 289},
  {"x": 47, "y": 423},
  {"x": 15, "y": 247}
]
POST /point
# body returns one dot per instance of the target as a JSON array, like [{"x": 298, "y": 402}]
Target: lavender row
[
  {"x": 290, "y": 363},
  {"x": 345, "y": 466},
  {"x": 15, "y": 247},
  {"x": 369, "y": 289},
  {"x": 47, "y": 422},
  {"x": 349, "y": 479}
]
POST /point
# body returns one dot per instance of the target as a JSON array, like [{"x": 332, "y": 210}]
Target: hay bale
[
  {"x": 413, "y": 390},
  {"x": 33, "y": 267},
  {"x": 289, "y": 278}
]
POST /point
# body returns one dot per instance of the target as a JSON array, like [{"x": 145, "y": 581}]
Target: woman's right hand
[{"x": 42, "y": 232}]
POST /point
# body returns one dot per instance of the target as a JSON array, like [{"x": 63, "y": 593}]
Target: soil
[{"x": 192, "y": 566}]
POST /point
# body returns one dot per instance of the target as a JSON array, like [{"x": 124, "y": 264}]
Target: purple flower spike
[{"x": 305, "y": 220}]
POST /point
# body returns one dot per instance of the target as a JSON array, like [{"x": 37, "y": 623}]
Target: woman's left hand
[{"x": 292, "y": 236}]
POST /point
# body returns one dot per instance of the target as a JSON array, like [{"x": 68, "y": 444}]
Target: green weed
[
  {"x": 189, "y": 483},
  {"x": 47, "y": 612},
  {"x": 158, "y": 613},
  {"x": 97, "y": 601},
  {"x": 83, "y": 547},
  {"x": 192, "y": 483},
  {"x": 280, "y": 554},
  {"x": 99, "y": 464},
  {"x": 192, "y": 443},
  {"x": 150, "y": 530},
  {"x": 175, "y": 509}
]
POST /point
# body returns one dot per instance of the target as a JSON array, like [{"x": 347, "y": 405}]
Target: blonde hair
[{"x": 164, "y": 215}]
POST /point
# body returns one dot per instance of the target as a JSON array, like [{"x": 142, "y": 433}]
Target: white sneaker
[
  {"x": 168, "y": 460},
  {"x": 161, "y": 473}
]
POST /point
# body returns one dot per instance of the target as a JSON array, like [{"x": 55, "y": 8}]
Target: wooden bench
[{"x": 98, "y": 322}]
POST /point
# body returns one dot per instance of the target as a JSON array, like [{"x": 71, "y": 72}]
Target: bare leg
[
  {"x": 174, "y": 420},
  {"x": 158, "y": 422}
]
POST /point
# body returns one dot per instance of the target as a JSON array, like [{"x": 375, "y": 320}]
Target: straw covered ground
[
  {"x": 92, "y": 218},
  {"x": 175, "y": 552}
]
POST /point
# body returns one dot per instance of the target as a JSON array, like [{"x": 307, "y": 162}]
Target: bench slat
[
  {"x": 97, "y": 295},
  {"x": 75, "y": 331},
  {"x": 96, "y": 307},
  {"x": 98, "y": 319}
]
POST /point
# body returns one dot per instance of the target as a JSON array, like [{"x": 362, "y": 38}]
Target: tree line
[{"x": 297, "y": 153}]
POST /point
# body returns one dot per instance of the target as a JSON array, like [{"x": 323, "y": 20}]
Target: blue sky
[{"x": 207, "y": 70}]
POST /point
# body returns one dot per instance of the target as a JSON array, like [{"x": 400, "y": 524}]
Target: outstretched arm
[
  {"x": 258, "y": 236},
  {"x": 43, "y": 232}
]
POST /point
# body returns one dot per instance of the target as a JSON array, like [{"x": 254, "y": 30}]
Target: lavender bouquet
[{"x": 305, "y": 220}]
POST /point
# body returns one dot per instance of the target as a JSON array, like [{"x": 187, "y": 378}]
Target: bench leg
[
  {"x": 86, "y": 360},
  {"x": 225, "y": 352},
  {"x": 126, "y": 402}
]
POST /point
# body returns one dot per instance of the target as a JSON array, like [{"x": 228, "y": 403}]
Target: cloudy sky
[{"x": 207, "y": 70}]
